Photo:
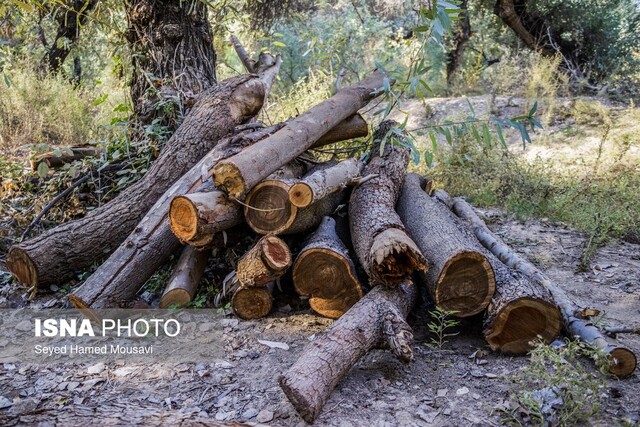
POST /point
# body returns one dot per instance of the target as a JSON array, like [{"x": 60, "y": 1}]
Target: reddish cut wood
[
  {"x": 460, "y": 277},
  {"x": 266, "y": 261},
  {"x": 324, "y": 272},
  {"x": 185, "y": 278}
]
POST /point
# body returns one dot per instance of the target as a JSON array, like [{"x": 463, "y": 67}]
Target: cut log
[
  {"x": 520, "y": 313},
  {"x": 185, "y": 278},
  {"x": 195, "y": 218},
  {"x": 378, "y": 319},
  {"x": 242, "y": 172},
  {"x": 57, "y": 254},
  {"x": 460, "y": 277},
  {"x": 266, "y": 261},
  {"x": 351, "y": 127},
  {"x": 252, "y": 302},
  {"x": 384, "y": 249},
  {"x": 120, "y": 277},
  {"x": 325, "y": 273},
  {"x": 622, "y": 360},
  {"x": 66, "y": 155},
  {"x": 321, "y": 183}
]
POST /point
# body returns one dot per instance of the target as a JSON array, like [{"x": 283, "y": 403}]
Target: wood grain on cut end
[
  {"x": 465, "y": 284},
  {"x": 252, "y": 303},
  {"x": 275, "y": 253},
  {"x": 521, "y": 322},
  {"x": 183, "y": 218},
  {"x": 267, "y": 207},
  {"x": 394, "y": 257},
  {"x": 175, "y": 298},
  {"x": 22, "y": 267},
  {"x": 300, "y": 195},
  {"x": 329, "y": 279},
  {"x": 622, "y": 362},
  {"x": 226, "y": 175},
  {"x": 266, "y": 261}
]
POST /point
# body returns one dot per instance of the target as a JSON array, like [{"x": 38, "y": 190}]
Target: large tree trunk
[
  {"x": 57, "y": 254},
  {"x": 71, "y": 16},
  {"x": 623, "y": 361},
  {"x": 172, "y": 56},
  {"x": 325, "y": 273},
  {"x": 151, "y": 242},
  {"x": 462, "y": 36},
  {"x": 240, "y": 173},
  {"x": 386, "y": 252},
  {"x": 460, "y": 277},
  {"x": 376, "y": 320},
  {"x": 507, "y": 10}
]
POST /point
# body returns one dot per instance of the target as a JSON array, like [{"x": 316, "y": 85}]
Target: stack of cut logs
[{"x": 359, "y": 224}]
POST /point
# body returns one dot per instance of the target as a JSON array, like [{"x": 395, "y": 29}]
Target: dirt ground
[{"x": 441, "y": 387}]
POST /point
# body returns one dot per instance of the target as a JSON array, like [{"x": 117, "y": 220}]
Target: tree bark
[
  {"x": 323, "y": 182},
  {"x": 266, "y": 261},
  {"x": 461, "y": 38},
  {"x": 460, "y": 277},
  {"x": 506, "y": 10},
  {"x": 378, "y": 319},
  {"x": 196, "y": 218},
  {"x": 55, "y": 255},
  {"x": 384, "y": 249},
  {"x": 325, "y": 273},
  {"x": 172, "y": 55},
  {"x": 68, "y": 155},
  {"x": 520, "y": 313},
  {"x": 185, "y": 278},
  {"x": 71, "y": 16},
  {"x": 622, "y": 360},
  {"x": 250, "y": 303},
  {"x": 239, "y": 174},
  {"x": 152, "y": 242}
]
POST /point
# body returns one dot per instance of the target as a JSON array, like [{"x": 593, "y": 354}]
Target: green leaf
[
  {"x": 533, "y": 109},
  {"x": 43, "y": 169},
  {"x": 486, "y": 134},
  {"x": 100, "y": 99},
  {"x": 501, "y": 136},
  {"x": 279, "y": 44},
  {"x": 428, "y": 158}
]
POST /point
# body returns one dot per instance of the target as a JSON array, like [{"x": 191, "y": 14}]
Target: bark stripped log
[
  {"x": 252, "y": 302},
  {"x": 319, "y": 184},
  {"x": 242, "y": 172},
  {"x": 378, "y": 319},
  {"x": 460, "y": 277},
  {"x": 325, "y": 273},
  {"x": 384, "y": 249},
  {"x": 266, "y": 261},
  {"x": 152, "y": 242},
  {"x": 185, "y": 278},
  {"x": 57, "y": 254},
  {"x": 622, "y": 360},
  {"x": 521, "y": 312}
]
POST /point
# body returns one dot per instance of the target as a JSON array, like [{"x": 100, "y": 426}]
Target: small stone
[
  {"x": 442, "y": 392},
  {"x": 462, "y": 391},
  {"x": 4, "y": 402},
  {"x": 476, "y": 396},
  {"x": 95, "y": 369},
  {"x": 447, "y": 411},
  {"x": 490, "y": 375},
  {"x": 221, "y": 415},
  {"x": 249, "y": 413},
  {"x": 264, "y": 416},
  {"x": 73, "y": 385},
  {"x": 24, "y": 326},
  {"x": 476, "y": 373}
]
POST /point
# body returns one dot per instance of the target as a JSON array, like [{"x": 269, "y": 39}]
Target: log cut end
[
  {"x": 183, "y": 218},
  {"x": 267, "y": 207},
  {"x": 329, "y": 279},
  {"x": 252, "y": 303},
  {"x": 394, "y": 257},
  {"x": 275, "y": 253},
  {"x": 175, "y": 298},
  {"x": 465, "y": 285},
  {"x": 521, "y": 322},
  {"x": 622, "y": 362},
  {"x": 300, "y": 400},
  {"x": 300, "y": 195},
  {"x": 22, "y": 266},
  {"x": 226, "y": 175}
]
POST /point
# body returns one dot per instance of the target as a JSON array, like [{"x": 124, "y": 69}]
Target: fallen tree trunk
[
  {"x": 150, "y": 244},
  {"x": 460, "y": 277},
  {"x": 384, "y": 249},
  {"x": 242, "y": 172},
  {"x": 57, "y": 254},
  {"x": 185, "y": 278},
  {"x": 378, "y": 319},
  {"x": 321, "y": 183},
  {"x": 325, "y": 273},
  {"x": 266, "y": 261},
  {"x": 195, "y": 218},
  {"x": 622, "y": 360},
  {"x": 66, "y": 155},
  {"x": 520, "y": 313},
  {"x": 252, "y": 302}
]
